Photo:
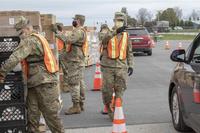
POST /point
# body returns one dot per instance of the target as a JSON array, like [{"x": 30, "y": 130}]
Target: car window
[
  {"x": 196, "y": 56},
  {"x": 188, "y": 51},
  {"x": 138, "y": 32}
]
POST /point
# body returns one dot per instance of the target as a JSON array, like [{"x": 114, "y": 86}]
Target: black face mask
[{"x": 74, "y": 23}]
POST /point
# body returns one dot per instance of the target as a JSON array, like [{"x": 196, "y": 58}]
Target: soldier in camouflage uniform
[
  {"x": 75, "y": 63},
  {"x": 42, "y": 85},
  {"x": 114, "y": 68},
  {"x": 61, "y": 51}
]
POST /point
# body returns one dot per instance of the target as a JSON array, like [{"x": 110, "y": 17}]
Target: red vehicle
[{"x": 141, "y": 40}]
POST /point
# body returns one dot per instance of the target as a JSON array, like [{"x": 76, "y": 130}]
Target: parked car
[
  {"x": 184, "y": 88},
  {"x": 141, "y": 40},
  {"x": 178, "y": 28}
]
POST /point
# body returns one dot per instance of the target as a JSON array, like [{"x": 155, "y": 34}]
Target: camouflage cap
[
  {"x": 119, "y": 16},
  {"x": 104, "y": 26},
  {"x": 80, "y": 17},
  {"x": 21, "y": 23}
]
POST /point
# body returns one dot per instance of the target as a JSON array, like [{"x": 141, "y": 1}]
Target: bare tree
[
  {"x": 129, "y": 20},
  {"x": 194, "y": 15},
  {"x": 143, "y": 16},
  {"x": 178, "y": 12}
]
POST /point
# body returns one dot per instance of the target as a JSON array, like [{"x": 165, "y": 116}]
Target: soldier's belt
[
  {"x": 34, "y": 62},
  {"x": 77, "y": 45}
]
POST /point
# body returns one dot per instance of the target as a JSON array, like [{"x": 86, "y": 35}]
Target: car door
[{"x": 194, "y": 108}]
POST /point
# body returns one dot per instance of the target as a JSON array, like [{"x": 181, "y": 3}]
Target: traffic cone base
[
  {"x": 121, "y": 128},
  {"x": 196, "y": 95}
]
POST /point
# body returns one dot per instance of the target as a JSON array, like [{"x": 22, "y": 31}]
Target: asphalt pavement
[{"x": 145, "y": 101}]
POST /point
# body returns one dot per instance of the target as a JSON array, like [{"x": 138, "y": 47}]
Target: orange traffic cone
[
  {"x": 196, "y": 93},
  {"x": 167, "y": 46},
  {"x": 119, "y": 123},
  {"x": 97, "y": 78},
  {"x": 180, "y": 45}
]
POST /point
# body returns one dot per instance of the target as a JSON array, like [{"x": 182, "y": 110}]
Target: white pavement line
[{"x": 146, "y": 128}]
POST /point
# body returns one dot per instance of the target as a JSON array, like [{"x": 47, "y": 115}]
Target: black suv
[{"x": 184, "y": 89}]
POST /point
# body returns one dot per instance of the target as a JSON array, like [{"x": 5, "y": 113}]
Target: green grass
[
  {"x": 177, "y": 37},
  {"x": 186, "y": 30}
]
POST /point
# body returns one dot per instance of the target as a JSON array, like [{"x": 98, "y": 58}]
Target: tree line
[{"x": 173, "y": 15}]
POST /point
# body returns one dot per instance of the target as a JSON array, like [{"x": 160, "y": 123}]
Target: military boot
[
  {"x": 75, "y": 109},
  {"x": 82, "y": 106},
  {"x": 110, "y": 112}
]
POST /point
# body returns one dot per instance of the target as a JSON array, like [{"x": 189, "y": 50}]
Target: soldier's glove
[
  {"x": 60, "y": 28},
  {"x": 2, "y": 78},
  {"x": 130, "y": 71},
  {"x": 54, "y": 28},
  {"x": 121, "y": 29},
  {"x": 101, "y": 57}
]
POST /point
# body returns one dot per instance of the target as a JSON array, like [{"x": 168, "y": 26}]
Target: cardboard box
[
  {"x": 8, "y": 32},
  {"x": 47, "y": 19},
  {"x": 50, "y": 36},
  {"x": 9, "y": 18}
]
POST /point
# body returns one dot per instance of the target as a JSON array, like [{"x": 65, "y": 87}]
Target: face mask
[
  {"x": 75, "y": 23},
  {"x": 119, "y": 24}
]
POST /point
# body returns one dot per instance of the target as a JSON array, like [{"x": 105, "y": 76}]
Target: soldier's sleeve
[
  {"x": 130, "y": 57},
  {"x": 21, "y": 52},
  {"x": 76, "y": 36},
  {"x": 62, "y": 37},
  {"x": 106, "y": 37}
]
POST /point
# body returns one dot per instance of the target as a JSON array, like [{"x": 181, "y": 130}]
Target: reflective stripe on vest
[
  {"x": 85, "y": 46},
  {"x": 117, "y": 49},
  {"x": 60, "y": 44},
  {"x": 49, "y": 59}
]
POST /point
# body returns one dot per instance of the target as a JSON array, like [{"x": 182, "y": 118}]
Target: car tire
[
  {"x": 149, "y": 53},
  {"x": 177, "y": 116}
]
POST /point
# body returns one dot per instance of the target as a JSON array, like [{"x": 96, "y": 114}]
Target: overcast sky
[{"x": 96, "y": 10}]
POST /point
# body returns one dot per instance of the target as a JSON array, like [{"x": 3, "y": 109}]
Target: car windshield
[{"x": 138, "y": 32}]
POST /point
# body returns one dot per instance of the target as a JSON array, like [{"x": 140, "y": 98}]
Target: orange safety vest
[
  {"x": 49, "y": 59},
  {"x": 85, "y": 46},
  {"x": 117, "y": 49},
  {"x": 60, "y": 44}
]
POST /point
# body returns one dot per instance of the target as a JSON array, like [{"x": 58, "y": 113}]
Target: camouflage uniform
[
  {"x": 114, "y": 71},
  {"x": 42, "y": 86},
  {"x": 75, "y": 65},
  {"x": 65, "y": 86}
]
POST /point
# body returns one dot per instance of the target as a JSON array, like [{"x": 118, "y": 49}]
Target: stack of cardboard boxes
[
  {"x": 47, "y": 20},
  {"x": 9, "y": 18},
  {"x": 93, "y": 41}
]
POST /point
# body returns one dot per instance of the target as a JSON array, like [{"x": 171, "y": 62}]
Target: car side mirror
[{"x": 178, "y": 55}]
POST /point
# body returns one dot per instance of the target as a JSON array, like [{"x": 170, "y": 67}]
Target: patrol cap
[
  {"x": 104, "y": 26},
  {"x": 21, "y": 23},
  {"x": 119, "y": 16},
  {"x": 80, "y": 17}
]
